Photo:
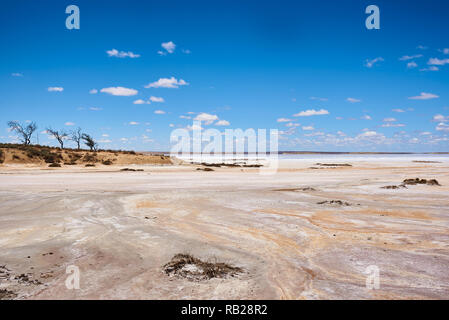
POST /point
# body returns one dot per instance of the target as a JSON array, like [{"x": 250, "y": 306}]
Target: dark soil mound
[
  {"x": 6, "y": 294},
  {"x": 335, "y": 202},
  {"x": 54, "y": 165},
  {"x": 395, "y": 187},
  {"x": 334, "y": 164},
  {"x": 205, "y": 169},
  {"x": 430, "y": 182}
]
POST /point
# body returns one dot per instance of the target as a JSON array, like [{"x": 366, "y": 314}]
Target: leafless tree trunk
[
  {"x": 76, "y": 136},
  {"x": 61, "y": 136},
  {"x": 24, "y": 133},
  {"x": 90, "y": 142}
]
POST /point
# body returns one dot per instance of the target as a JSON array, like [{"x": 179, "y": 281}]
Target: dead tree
[
  {"x": 24, "y": 133},
  {"x": 76, "y": 136},
  {"x": 61, "y": 136},
  {"x": 89, "y": 141}
]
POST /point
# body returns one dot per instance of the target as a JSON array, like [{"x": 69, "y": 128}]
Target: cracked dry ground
[{"x": 300, "y": 234}]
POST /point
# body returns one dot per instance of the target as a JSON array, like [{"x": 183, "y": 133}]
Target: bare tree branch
[
  {"x": 76, "y": 136},
  {"x": 89, "y": 141},
  {"x": 61, "y": 136},
  {"x": 24, "y": 133}
]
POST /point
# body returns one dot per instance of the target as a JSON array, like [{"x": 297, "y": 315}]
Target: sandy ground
[{"x": 120, "y": 228}]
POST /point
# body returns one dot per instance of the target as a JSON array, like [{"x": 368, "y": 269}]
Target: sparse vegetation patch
[{"x": 194, "y": 269}]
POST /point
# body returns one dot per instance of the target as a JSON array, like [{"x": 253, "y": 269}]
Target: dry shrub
[{"x": 194, "y": 269}]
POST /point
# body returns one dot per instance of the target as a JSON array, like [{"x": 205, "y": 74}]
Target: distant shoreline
[{"x": 304, "y": 152}]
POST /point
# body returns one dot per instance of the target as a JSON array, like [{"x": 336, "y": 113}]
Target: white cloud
[
  {"x": 69, "y": 123},
  {"x": 438, "y": 62},
  {"x": 312, "y": 112},
  {"x": 353, "y": 100},
  {"x": 398, "y": 110},
  {"x": 442, "y": 127},
  {"x": 421, "y": 47},
  {"x": 288, "y": 132},
  {"x": 151, "y": 99},
  {"x": 412, "y": 65},
  {"x": 167, "y": 83},
  {"x": 366, "y": 117},
  {"x": 317, "y": 98},
  {"x": 369, "y": 63},
  {"x": 120, "y": 91},
  {"x": 17, "y": 74},
  {"x": 308, "y": 128},
  {"x": 139, "y": 101},
  {"x": 206, "y": 117},
  {"x": 156, "y": 99},
  {"x": 122, "y": 54},
  {"x": 368, "y": 134},
  {"x": 424, "y": 96},
  {"x": 55, "y": 89},
  {"x": 431, "y": 68},
  {"x": 440, "y": 118},
  {"x": 185, "y": 117},
  {"x": 93, "y": 91},
  {"x": 95, "y": 109},
  {"x": 292, "y": 124},
  {"x": 392, "y": 125},
  {"x": 194, "y": 127},
  {"x": 283, "y": 120},
  {"x": 133, "y": 123},
  {"x": 171, "y": 125},
  {"x": 314, "y": 134},
  {"x": 222, "y": 123},
  {"x": 389, "y": 120},
  {"x": 169, "y": 46},
  {"x": 159, "y": 112},
  {"x": 186, "y": 51},
  {"x": 405, "y": 58}
]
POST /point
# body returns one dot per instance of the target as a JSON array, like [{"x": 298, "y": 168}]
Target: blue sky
[{"x": 308, "y": 68}]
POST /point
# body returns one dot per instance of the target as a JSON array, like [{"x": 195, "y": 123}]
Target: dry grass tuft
[{"x": 191, "y": 268}]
